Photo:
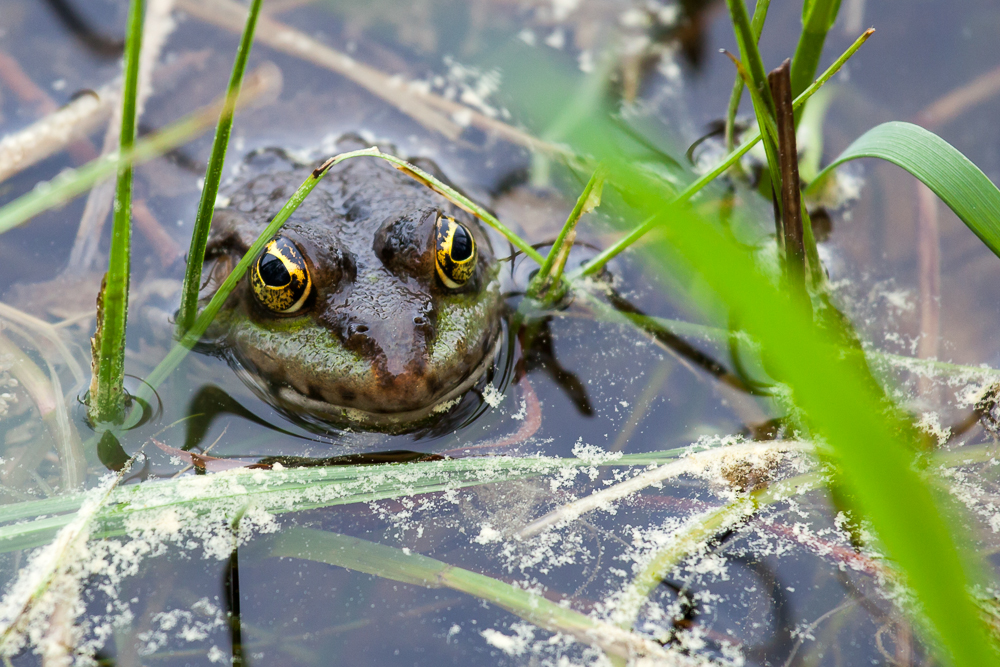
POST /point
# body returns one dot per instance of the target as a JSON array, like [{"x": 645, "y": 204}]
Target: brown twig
[
  {"x": 165, "y": 246},
  {"x": 795, "y": 253}
]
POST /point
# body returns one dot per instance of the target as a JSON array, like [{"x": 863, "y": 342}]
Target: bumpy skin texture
[{"x": 380, "y": 335}]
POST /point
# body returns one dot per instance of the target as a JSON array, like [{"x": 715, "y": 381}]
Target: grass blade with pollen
[
  {"x": 940, "y": 166},
  {"x": 107, "y": 393},
  {"x": 550, "y": 274},
  {"x": 213, "y": 175}
]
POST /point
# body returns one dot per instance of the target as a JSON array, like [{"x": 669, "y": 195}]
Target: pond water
[{"x": 318, "y": 558}]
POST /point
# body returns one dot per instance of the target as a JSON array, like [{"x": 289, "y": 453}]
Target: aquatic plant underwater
[{"x": 845, "y": 437}]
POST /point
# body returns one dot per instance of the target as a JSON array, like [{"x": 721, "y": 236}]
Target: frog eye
[
  {"x": 456, "y": 252},
  {"x": 280, "y": 277}
]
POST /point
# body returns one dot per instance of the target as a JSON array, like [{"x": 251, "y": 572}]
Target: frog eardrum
[
  {"x": 455, "y": 256},
  {"x": 280, "y": 277}
]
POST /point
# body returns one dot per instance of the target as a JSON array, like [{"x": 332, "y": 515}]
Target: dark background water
[{"x": 298, "y": 612}]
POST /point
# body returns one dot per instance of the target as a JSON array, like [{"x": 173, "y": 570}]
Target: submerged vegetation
[{"x": 841, "y": 432}]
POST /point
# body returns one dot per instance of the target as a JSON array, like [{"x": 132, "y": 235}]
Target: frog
[{"x": 377, "y": 306}]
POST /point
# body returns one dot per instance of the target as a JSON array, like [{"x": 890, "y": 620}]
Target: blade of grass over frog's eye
[
  {"x": 940, "y": 166},
  {"x": 107, "y": 393},
  {"x": 203, "y": 221},
  {"x": 74, "y": 182},
  {"x": 419, "y": 570},
  {"x": 818, "y": 16},
  {"x": 550, "y": 274},
  {"x": 190, "y": 338},
  {"x": 595, "y": 265},
  {"x": 456, "y": 198}
]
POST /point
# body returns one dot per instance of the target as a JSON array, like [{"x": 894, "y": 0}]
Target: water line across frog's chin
[{"x": 294, "y": 403}]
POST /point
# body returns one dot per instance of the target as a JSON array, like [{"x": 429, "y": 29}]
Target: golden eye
[
  {"x": 456, "y": 252},
  {"x": 280, "y": 277}
]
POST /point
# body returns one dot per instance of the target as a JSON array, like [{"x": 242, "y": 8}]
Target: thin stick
[
  {"x": 929, "y": 260},
  {"x": 791, "y": 205}
]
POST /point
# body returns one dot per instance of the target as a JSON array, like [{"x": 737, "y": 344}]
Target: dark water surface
[{"x": 167, "y": 587}]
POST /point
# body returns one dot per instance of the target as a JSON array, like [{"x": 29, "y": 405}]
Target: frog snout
[{"x": 396, "y": 343}]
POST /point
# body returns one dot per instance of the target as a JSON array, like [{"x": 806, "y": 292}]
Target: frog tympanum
[{"x": 376, "y": 306}]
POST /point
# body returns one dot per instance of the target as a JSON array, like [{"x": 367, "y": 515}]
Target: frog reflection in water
[{"x": 377, "y": 305}]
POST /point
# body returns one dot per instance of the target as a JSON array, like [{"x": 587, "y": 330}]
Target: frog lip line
[{"x": 292, "y": 400}]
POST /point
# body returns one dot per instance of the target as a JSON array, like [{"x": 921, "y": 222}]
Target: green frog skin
[{"x": 378, "y": 304}]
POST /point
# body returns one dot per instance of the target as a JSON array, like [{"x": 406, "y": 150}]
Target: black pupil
[
  {"x": 273, "y": 271},
  {"x": 461, "y": 244}
]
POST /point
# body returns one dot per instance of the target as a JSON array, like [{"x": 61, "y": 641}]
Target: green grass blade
[
  {"x": 550, "y": 274},
  {"x": 213, "y": 175},
  {"x": 107, "y": 394},
  {"x": 755, "y": 78},
  {"x": 595, "y": 265},
  {"x": 818, "y": 16},
  {"x": 756, "y": 26},
  {"x": 950, "y": 175},
  {"x": 419, "y": 570}
]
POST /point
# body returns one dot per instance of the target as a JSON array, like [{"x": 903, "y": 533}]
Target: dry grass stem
[
  {"x": 723, "y": 458},
  {"x": 929, "y": 260},
  {"x": 953, "y": 104}
]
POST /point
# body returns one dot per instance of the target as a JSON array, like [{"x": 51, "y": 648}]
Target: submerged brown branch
[{"x": 434, "y": 112}]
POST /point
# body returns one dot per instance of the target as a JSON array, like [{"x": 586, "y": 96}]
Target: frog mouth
[{"x": 295, "y": 402}]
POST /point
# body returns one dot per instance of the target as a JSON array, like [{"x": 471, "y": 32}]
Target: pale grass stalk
[{"x": 697, "y": 464}]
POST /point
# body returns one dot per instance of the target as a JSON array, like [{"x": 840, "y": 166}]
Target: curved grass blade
[
  {"x": 107, "y": 393},
  {"x": 940, "y": 166},
  {"x": 206, "y": 207}
]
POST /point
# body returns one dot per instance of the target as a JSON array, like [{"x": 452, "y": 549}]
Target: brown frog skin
[{"x": 380, "y": 342}]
